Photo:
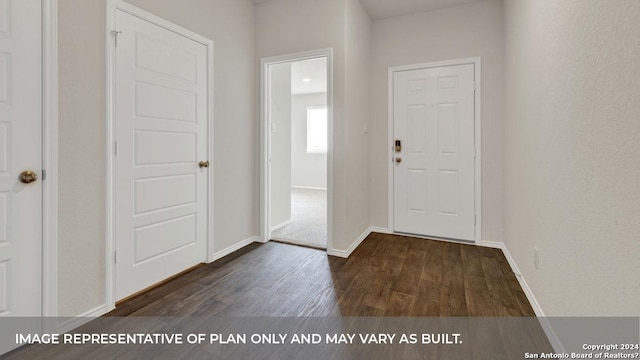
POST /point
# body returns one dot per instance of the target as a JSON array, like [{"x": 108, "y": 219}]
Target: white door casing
[
  {"x": 161, "y": 132},
  {"x": 20, "y": 150},
  {"x": 434, "y": 170}
]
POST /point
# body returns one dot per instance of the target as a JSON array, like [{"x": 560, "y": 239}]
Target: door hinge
[
  {"x": 44, "y": 174},
  {"x": 115, "y": 256},
  {"x": 115, "y": 34},
  {"x": 475, "y": 219},
  {"x": 115, "y": 148}
]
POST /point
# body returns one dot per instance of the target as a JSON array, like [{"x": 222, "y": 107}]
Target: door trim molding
[
  {"x": 265, "y": 139},
  {"x": 112, "y": 6},
  {"x": 50, "y": 158},
  {"x": 476, "y": 61}
]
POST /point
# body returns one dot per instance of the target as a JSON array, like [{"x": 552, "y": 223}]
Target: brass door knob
[
  {"x": 398, "y": 160},
  {"x": 27, "y": 177},
  {"x": 204, "y": 164}
]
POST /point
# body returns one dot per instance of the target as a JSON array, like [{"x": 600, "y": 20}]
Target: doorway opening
[{"x": 296, "y": 123}]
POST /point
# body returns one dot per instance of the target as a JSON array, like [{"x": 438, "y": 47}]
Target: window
[{"x": 317, "y": 130}]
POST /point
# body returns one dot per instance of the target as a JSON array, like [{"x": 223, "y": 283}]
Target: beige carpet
[{"x": 308, "y": 224}]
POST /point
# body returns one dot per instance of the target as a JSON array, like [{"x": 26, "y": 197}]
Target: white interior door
[
  {"x": 161, "y": 127},
  {"x": 20, "y": 150},
  {"x": 434, "y": 168}
]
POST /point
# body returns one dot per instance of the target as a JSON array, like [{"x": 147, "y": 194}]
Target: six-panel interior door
[
  {"x": 161, "y": 135},
  {"x": 20, "y": 150},
  {"x": 434, "y": 181}
]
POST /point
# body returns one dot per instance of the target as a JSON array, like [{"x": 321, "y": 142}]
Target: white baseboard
[
  {"x": 82, "y": 319},
  {"x": 308, "y": 188},
  {"x": 222, "y": 253},
  {"x": 514, "y": 267},
  {"x": 546, "y": 326},
  {"x": 346, "y": 253},
  {"x": 281, "y": 225},
  {"x": 380, "y": 230},
  {"x": 494, "y": 245}
]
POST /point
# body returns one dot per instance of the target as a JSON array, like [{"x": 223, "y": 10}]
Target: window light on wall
[{"x": 316, "y": 130}]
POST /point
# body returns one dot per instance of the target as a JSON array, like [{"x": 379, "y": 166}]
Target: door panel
[
  {"x": 157, "y": 193},
  {"x": 181, "y": 107},
  {"x": 434, "y": 183},
  {"x": 164, "y": 147},
  {"x": 20, "y": 150},
  {"x": 161, "y": 130}
]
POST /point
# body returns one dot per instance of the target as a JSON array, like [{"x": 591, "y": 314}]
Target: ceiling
[
  {"x": 314, "y": 71},
  {"x": 380, "y": 9}
]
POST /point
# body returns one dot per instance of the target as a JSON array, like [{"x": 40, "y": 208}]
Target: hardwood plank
[
  {"x": 477, "y": 296},
  {"x": 452, "y": 297},
  {"x": 351, "y": 299},
  {"x": 411, "y": 272},
  {"x": 400, "y": 304},
  {"x": 392, "y": 256},
  {"x": 387, "y": 275}
]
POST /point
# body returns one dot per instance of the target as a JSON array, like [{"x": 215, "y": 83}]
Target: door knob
[
  {"x": 398, "y": 160},
  {"x": 28, "y": 176},
  {"x": 204, "y": 164}
]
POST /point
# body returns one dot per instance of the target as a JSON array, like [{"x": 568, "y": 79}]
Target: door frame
[
  {"x": 50, "y": 160},
  {"x": 112, "y": 6},
  {"x": 265, "y": 139},
  {"x": 476, "y": 61}
]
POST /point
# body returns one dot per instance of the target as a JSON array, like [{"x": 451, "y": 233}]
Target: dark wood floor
[{"x": 387, "y": 275}]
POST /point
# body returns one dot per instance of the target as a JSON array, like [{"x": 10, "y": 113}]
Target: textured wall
[
  {"x": 230, "y": 24},
  {"x": 279, "y": 24},
  {"x": 453, "y": 33},
  {"x": 572, "y": 144},
  {"x": 81, "y": 27},
  {"x": 357, "y": 112},
  {"x": 290, "y": 26}
]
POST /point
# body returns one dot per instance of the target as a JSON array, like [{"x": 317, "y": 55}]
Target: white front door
[
  {"x": 20, "y": 151},
  {"x": 161, "y": 127},
  {"x": 434, "y": 164}
]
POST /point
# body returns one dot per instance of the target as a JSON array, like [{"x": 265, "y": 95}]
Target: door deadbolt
[
  {"x": 398, "y": 146},
  {"x": 27, "y": 177}
]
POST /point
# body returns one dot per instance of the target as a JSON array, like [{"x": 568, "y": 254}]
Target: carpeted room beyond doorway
[{"x": 308, "y": 226}]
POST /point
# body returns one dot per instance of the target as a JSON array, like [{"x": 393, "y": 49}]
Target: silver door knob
[
  {"x": 28, "y": 176},
  {"x": 398, "y": 160},
  {"x": 204, "y": 164}
]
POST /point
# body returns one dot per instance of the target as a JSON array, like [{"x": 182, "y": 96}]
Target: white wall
[
  {"x": 81, "y": 26},
  {"x": 307, "y": 170},
  {"x": 280, "y": 117},
  {"x": 344, "y": 26},
  {"x": 230, "y": 24},
  {"x": 357, "y": 113},
  {"x": 572, "y": 141},
  {"x": 279, "y": 28},
  {"x": 452, "y": 33}
]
